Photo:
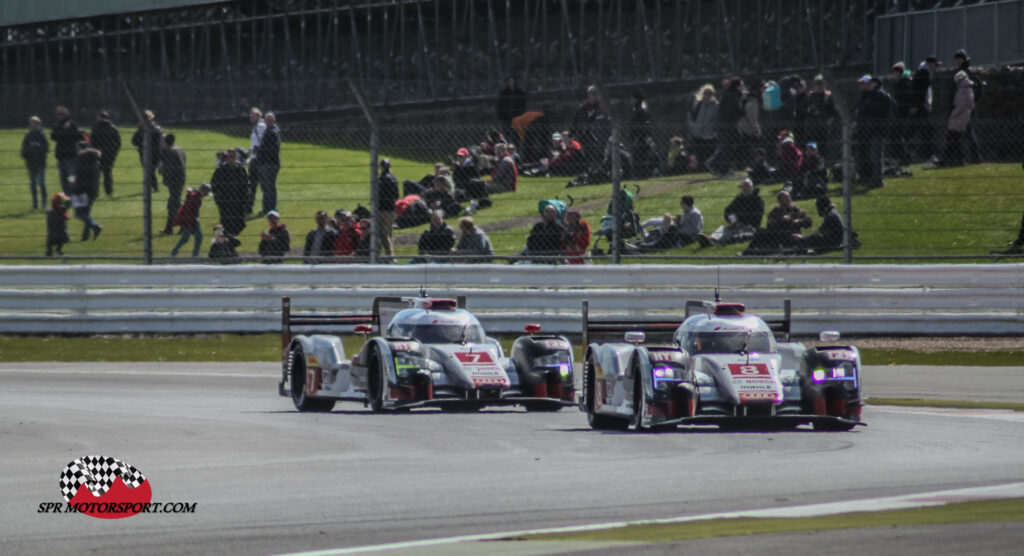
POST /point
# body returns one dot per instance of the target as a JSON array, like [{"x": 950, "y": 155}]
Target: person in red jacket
[
  {"x": 790, "y": 157},
  {"x": 577, "y": 237},
  {"x": 349, "y": 234},
  {"x": 188, "y": 218}
]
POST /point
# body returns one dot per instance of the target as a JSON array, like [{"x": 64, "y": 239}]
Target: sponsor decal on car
[
  {"x": 482, "y": 368},
  {"x": 666, "y": 356},
  {"x": 754, "y": 382},
  {"x": 839, "y": 355},
  {"x": 554, "y": 344}
]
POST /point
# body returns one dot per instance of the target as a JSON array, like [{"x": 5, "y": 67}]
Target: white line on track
[
  {"x": 920, "y": 500},
  {"x": 137, "y": 373}
]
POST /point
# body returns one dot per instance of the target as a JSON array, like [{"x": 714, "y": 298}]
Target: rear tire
[
  {"x": 376, "y": 383},
  {"x": 636, "y": 424},
  {"x": 302, "y": 401},
  {"x": 595, "y": 420}
]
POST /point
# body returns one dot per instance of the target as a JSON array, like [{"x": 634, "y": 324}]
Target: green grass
[
  {"x": 1005, "y": 358},
  {"x": 954, "y": 404},
  {"x": 967, "y": 512},
  {"x": 961, "y": 211}
]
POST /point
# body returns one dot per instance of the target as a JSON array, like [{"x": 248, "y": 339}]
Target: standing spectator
[
  {"x": 172, "y": 168},
  {"x": 729, "y": 113},
  {"x": 920, "y": 111},
  {"x": 641, "y": 141},
  {"x": 794, "y": 104},
  {"x": 34, "y": 148},
  {"x": 703, "y": 123},
  {"x": 387, "y": 196},
  {"x": 784, "y": 221},
  {"x": 545, "y": 239},
  {"x": 436, "y": 240},
  {"x": 591, "y": 127},
  {"x": 903, "y": 94},
  {"x": 274, "y": 242},
  {"x": 959, "y": 119},
  {"x": 873, "y": 120},
  {"x": 66, "y": 136},
  {"x": 506, "y": 176},
  {"x": 828, "y": 236},
  {"x": 473, "y": 243},
  {"x": 268, "y": 157},
  {"x": 963, "y": 63},
  {"x": 690, "y": 221},
  {"x": 222, "y": 249},
  {"x": 188, "y": 218},
  {"x": 231, "y": 192},
  {"x": 576, "y": 240},
  {"x": 107, "y": 139},
  {"x": 259, "y": 127},
  {"x": 319, "y": 241},
  {"x": 349, "y": 236},
  {"x": 749, "y": 124},
  {"x": 57, "y": 224},
  {"x": 85, "y": 187},
  {"x": 821, "y": 117},
  {"x": 742, "y": 218},
  {"x": 511, "y": 103},
  {"x": 156, "y": 136}
]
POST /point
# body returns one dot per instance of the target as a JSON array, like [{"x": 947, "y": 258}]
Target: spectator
[
  {"x": 959, "y": 119},
  {"x": 465, "y": 170},
  {"x": 903, "y": 94},
  {"x": 567, "y": 160},
  {"x": 268, "y": 156},
  {"x": 576, "y": 240},
  {"x": 57, "y": 224},
  {"x": 920, "y": 111},
  {"x": 387, "y": 196},
  {"x": 85, "y": 187},
  {"x": 349, "y": 235},
  {"x": 34, "y": 148},
  {"x": 473, "y": 246},
  {"x": 703, "y": 123},
  {"x": 439, "y": 198},
  {"x": 813, "y": 179},
  {"x": 791, "y": 158},
  {"x": 690, "y": 221},
  {"x": 410, "y": 187},
  {"x": 259, "y": 127},
  {"x": 728, "y": 136},
  {"x": 794, "y": 104},
  {"x": 437, "y": 240},
  {"x": 320, "y": 240},
  {"x": 873, "y": 118},
  {"x": 66, "y": 136},
  {"x": 505, "y": 176},
  {"x": 156, "y": 141},
  {"x": 511, "y": 103},
  {"x": 963, "y": 63},
  {"x": 742, "y": 218},
  {"x": 231, "y": 192},
  {"x": 829, "y": 235},
  {"x": 760, "y": 172},
  {"x": 821, "y": 117},
  {"x": 363, "y": 250},
  {"x": 749, "y": 124},
  {"x": 172, "y": 168},
  {"x": 188, "y": 218},
  {"x": 275, "y": 242},
  {"x": 222, "y": 249},
  {"x": 665, "y": 237},
  {"x": 679, "y": 161},
  {"x": 591, "y": 127},
  {"x": 641, "y": 142},
  {"x": 107, "y": 139},
  {"x": 545, "y": 239},
  {"x": 784, "y": 221}
]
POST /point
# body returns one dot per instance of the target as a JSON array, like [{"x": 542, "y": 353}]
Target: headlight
[
  {"x": 564, "y": 369},
  {"x": 818, "y": 375},
  {"x": 552, "y": 360},
  {"x": 664, "y": 372}
]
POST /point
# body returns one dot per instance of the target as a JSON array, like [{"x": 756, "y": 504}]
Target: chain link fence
[{"x": 899, "y": 186}]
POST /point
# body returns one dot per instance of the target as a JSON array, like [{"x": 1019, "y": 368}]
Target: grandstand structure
[{"x": 200, "y": 61}]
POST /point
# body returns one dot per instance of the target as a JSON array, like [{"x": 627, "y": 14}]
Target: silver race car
[
  {"x": 720, "y": 366},
  {"x": 431, "y": 352}
]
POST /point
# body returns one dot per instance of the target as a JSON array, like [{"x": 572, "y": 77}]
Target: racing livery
[
  {"x": 720, "y": 366},
  {"x": 430, "y": 352}
]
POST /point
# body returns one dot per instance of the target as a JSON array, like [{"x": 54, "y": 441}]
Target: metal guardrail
[{"x": 877, "y": 299}]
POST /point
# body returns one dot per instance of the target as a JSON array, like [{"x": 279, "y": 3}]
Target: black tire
[
  {"x": 596, "y": 421},
  {"x": 636, "y": 423},
  {"x": 297, "y": 370},
  {"x": 376, "y": 383}
]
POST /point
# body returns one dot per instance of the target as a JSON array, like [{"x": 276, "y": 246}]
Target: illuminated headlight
[
  {"x": 564, "y": 369},
  {"x": 819, "y": 375},
  {"x": 553, "y": 360},
  {"x": 664, "y": 372}
]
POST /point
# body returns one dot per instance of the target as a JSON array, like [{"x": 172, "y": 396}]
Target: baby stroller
[{"x": 631, "y": 227}]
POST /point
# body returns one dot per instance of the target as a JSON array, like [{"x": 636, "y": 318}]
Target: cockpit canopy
[
  {"x": 714, "y": 334},
  {"x": 437, "y": 327}
]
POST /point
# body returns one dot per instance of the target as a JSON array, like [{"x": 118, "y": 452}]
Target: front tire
[
  {"x": 302, "y": 401},
  {"x": 595, "y": 420},
  {"x": 636, "y": 424},
  {"x": 377, "y": 383}
]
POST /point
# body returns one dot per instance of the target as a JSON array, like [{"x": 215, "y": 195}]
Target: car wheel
[
  {"x": 297, "y": 370},
  {"x": 595, "y": 420},
  {"x": 636, "y": 424},
  {"x": 377, "y": 382}
]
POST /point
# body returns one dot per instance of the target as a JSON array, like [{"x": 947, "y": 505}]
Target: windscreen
[
  {"x": 440, "y": 333},
  {"x": 728, "y": 342}
]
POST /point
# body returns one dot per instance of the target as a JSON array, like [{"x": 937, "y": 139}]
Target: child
[
  {"x": 223, "y": 247},
  {"x": 57, "y": 224},
  {"x": 188, "y": 219}
]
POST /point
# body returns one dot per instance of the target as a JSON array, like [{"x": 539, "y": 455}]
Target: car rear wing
[
  {"x": 657, "y": 331},
  {"x": 780, "y": 327}
]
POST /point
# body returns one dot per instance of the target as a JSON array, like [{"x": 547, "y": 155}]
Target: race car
[
  {"x": 430, "y": 352},
  {"x": 719, "y": 366}
]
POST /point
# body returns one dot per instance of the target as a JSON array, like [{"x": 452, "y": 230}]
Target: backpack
[{"x": 771, "y": 98}]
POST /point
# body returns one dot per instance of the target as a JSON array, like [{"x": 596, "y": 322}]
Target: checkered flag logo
[{"x": 97, "y": 473}]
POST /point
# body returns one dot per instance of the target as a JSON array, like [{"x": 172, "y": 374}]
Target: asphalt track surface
[{"x": 268, "y": 480}]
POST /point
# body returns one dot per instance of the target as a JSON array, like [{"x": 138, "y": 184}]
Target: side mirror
[
  {"x": 635, "y": 337},
  {"x": 531, "y": 329},
  {"x": 829, "y": 336}
]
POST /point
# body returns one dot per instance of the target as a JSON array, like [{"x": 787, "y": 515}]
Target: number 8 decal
[{"x": 750, "y": 370}]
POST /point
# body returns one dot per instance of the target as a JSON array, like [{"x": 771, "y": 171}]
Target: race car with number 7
[{"x": 429, "y": 353}]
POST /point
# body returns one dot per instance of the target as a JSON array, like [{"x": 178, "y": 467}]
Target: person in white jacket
[{"x": 959, "y": 119}]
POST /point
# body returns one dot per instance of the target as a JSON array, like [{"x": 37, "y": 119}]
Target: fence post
[
  {"x": 374, "y": 150},
  {"x": 616, "y": 204},
  {"x": 847, "y": 197},
  {"x": 147, "y": 178}
]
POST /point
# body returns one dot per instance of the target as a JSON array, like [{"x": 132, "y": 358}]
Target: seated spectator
[
  {"x": 347, "y": 241},
  {"x": 465, "y": 170},
  {"x": 576, "y": 240},
  {"x": 275, "y": 242},
  {"x": 785, "y": 220},
  {"x": 410, "y": 187},
  {"x": 473, "y": 246},
  {"x": 411, "y": 211},
  {"x": 813, "y": 180},
  {"x": 567, "y": 158},
  {"x": 505, "y": 176},
  {"x": 679, "y": 160},
  {"x": 665, "y": 237},
  {"x": 829, "y": 235},
  {"x": 760, "y": 172},
  {"x": 545, "y": 239},
  {"x": 222, "y": 249},
  {"x": 363, "y": 251},
  {"x": 690, "y": 221},
  {"x": 742, "y": 218},
  {"x": 437, "y": 240},
  {"x": 790, "y": 157},
  {"x": 319, "y": 241},
  {"x": 439, "y": 198}
]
